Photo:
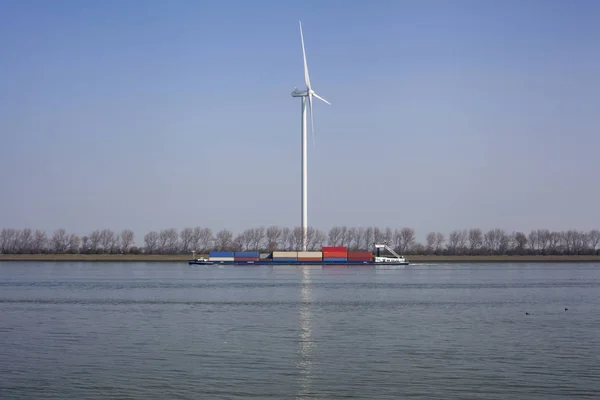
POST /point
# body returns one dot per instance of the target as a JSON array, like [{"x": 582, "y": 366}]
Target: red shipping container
[
  {"x": 335, "y": 248},
  {"x": 246, "y": 259}
]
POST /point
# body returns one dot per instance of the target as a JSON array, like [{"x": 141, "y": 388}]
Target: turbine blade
[
  {"x": 320, "y": 98},
  {"x": 312, "y": 125},
  {"x": 306, "y": 78}
]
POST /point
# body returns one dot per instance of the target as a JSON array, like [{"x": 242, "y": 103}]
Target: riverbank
[{"x": 182, "y": 258}]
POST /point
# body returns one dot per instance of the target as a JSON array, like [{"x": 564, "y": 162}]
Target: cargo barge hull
[{"x": 292, "y": 263}]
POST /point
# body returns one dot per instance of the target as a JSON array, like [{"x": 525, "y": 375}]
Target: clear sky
[{"x": 157, "y": 114}]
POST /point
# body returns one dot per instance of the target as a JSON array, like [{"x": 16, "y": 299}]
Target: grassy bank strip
[{"x": 183, "y": 258}]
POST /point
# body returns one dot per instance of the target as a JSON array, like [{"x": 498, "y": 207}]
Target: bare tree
[
  {"x": 25, "y": 239},
  {"x": 453, "y": 241},
  {"x": 107, "y": 238},
  {"x": 274, "y": 234},
  {"x": 359, "y": 241},
  {"x": 430, "y": 239},
  {"x": 378, "y": 235},
  {"x": 242, "y": 240},
  {"x": 205, "y": 239},
  {"x": 257, "y": 238},
  {"x": 369, "y": 238},
  {"x": 8, "y": 237},
  {"x": 95, "y": 241},
  {"x": 594, "y": 236},
  {"x": 520, "y": 242},
  {"x": 187, "y": 236},
  {"x": 151, "y": 241},
  {"x": 40, "y": 241},
  {"x": 127, "y": 239},
  {"x": 533, "y": 240},
  {"x": 462, "y": 241},
  {"x": 224, "y": 240},
  {"x": 287, "y": 239},
  {"x": 408, "y": 239},
  {"x": 439, "y": 241},
  {"x": 172, "y": 240},
  {"x": 73, "y": 244},
  {"x": 475, "y": 240},
  {"x": 335, "y": 236},
  {"x": 316, "y": 239},
  {"x": 85, "y": 245},
  {"x": 60, "y": 241}
]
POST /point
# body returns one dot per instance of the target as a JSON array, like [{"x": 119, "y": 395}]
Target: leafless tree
[
  {"x": 25, "y": 239},
  {"x": 287, "y": 238},
  {"x": 594, "y": 236},
  {"x": 187, "y": 236},
  {"x": 127, "y": 239},
  {"x": 73, "y": 244},
  {"x": 40, "y": 241},
  {"x": 274, "y": 234},
  {"x": 475, "y": 240},
  {"x": 335, "y": 236},
  {"x": 257, "y": 238},
  {"x": 60, "y": 241},
  {"x": 453, "y": 241},
  {"x": 8, "y": 236},
  {"x": 430, "y": 240},
  {"x": 95, "y": 241},
  {"x": 439, "y": 241},
  {"x": 85, "y": 245},
  {"x": 408, "y": 239},
  {"x": 242, "y": 240},
  {"x": 107, "y": 239},
  {"x": 205, "y": 239},
  {"x": 224, "y": 240},
  {"x": 520, "y": 242},
  {"x": 151, "y": 241},
  {"x": 316, "y": 239}
]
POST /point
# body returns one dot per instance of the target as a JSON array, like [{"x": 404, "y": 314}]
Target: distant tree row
[{"x": 202, "y": 240}]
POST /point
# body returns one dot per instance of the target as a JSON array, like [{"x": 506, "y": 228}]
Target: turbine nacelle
[{"x": 299, "y": 93}]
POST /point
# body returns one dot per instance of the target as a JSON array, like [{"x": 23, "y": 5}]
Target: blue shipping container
[
  {"x": 246, "y": 254},
  {"x": 339, "y": 259},
  {"x": 220, "y": 254}
]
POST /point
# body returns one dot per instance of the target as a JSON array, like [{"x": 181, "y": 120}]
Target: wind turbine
[{"x": 308, "y": 93}]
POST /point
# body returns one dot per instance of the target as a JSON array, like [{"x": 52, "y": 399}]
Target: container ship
[{"x": 330, "y": 255}]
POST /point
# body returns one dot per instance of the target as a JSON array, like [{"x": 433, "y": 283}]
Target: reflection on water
[{"x": 306, "y": 341}]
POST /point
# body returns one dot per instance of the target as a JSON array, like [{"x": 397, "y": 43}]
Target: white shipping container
[
  {"x": 221, "y": 258},
  {"x": 285, "y": 254}
]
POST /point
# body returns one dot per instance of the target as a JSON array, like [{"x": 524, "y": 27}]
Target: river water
[{"x": 173, "y": 331}]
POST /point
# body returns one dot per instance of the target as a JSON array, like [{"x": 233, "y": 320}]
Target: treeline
[{"x": 202, "y": 240}]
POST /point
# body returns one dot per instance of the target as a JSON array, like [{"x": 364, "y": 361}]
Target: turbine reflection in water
[{"x": 306, "y": 340}]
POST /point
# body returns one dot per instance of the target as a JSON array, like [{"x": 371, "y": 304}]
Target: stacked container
[
  {"x": 360, "y": 256},
  {"x": 221, "y": 256},
  {"x": 285, "y": 256},
  {"x": 310, "y": 256},
  {"x": 246, "y": 256},
  {"x": 335, "y": 254}
]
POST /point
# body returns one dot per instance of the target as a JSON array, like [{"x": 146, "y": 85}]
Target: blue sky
[{"x": 155, "y": 114}]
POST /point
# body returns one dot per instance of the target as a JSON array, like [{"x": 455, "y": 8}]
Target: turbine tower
[{"x": 309, "y": 93}]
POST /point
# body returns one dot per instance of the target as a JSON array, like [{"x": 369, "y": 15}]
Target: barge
[{"x": 330, "y": 255}]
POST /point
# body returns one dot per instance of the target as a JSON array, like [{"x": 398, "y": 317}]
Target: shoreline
[{"x": 184, "y": 258}]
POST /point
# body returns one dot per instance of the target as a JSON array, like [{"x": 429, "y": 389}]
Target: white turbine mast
[{"x": 308, "y": 93}]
